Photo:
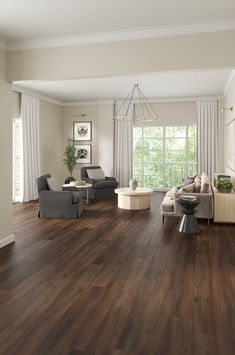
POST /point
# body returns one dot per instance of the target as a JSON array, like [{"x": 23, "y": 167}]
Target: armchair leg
[{"x": 163, "y": 219}]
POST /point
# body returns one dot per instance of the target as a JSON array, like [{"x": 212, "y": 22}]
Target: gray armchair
[
  {"x": 58, "y": 204},
  {"x": 100, "y": 189}
]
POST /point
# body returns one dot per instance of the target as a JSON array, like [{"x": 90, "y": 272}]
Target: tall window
[
  {"x": 17, "y": 159},
  {"x": 162, "y": 156}
]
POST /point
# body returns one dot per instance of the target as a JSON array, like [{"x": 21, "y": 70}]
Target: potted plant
[
  {"x": 224, "y": 185},
  {"x": 70, "y": 159}
]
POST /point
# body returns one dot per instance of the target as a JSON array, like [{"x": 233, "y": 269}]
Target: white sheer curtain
[
  {"x": 31, "y": 156},
  {"x": 207, "y": 127},
  {"x": 123, "y": 148}
]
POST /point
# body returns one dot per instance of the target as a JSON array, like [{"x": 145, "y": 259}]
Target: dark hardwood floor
[{"x": 116, "y": 282}]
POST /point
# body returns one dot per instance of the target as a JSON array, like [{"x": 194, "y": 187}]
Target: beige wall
[
  {"x": 195, "y": 51},
  {"x": 173, "y": 113},
  {"x": 229, "y": 100},
  {"x": 220, "y": 158},
  {"x": 51, "y": 141},
  {"x": 72, "y": 114},
  {"x": 5, "y": 152},
  {"x": 106, "y": 138},
  {"x": 16, "y": 106}
]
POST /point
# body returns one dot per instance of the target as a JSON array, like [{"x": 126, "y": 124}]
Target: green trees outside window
[{"x": 162, "y": 156}]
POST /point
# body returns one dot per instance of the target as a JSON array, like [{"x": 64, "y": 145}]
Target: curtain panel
[
  {"x": 123, "y": 148},
  {"x": 207, "y": 128},
  {"x": 31, "y": 155}
]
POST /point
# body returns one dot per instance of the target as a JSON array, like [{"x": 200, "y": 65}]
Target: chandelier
[{"x": 147, "y": 112}]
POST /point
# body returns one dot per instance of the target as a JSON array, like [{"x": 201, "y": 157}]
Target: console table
[{"x": 224, "y": 206}]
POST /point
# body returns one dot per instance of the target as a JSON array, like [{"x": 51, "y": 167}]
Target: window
[
  {"x": 17, "y": 159},
  {"x": 162, "y": 156}
]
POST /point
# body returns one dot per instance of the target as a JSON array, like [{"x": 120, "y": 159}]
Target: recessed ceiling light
[{"x": 117, "y": 81}]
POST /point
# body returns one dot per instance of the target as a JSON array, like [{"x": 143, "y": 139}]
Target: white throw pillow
[
  {"x": 96, "y": 174},
  {"x": 188, "y": 188},
  {"x": 53, "y": 184}
]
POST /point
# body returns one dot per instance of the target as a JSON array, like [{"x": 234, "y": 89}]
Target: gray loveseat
[
  {"x": 200, "y": 188},
  {"x": 58, "y": 204}
]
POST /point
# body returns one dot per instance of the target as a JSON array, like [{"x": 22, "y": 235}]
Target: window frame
[{"x": 185, "y": 164}]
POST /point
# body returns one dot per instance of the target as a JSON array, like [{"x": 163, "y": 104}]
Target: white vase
[{"x": 133, "y": 184}]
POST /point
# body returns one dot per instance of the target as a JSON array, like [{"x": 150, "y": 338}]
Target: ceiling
[
  {"x": 157, "y": 85},
  {"x": 33, "y": 19}
]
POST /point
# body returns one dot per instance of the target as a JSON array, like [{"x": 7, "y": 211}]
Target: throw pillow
[
  {"x": 96, "y": 174},
  {"x": 188, "y": 181},
  {"x": 53, "y": 184},
  {"x": 188, "y": 188},
  {"x": 205, "y": 183},
  {"x": 197, "y": 184}
]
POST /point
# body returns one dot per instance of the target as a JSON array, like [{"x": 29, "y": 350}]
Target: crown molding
[
  {"x": 42, "y": 97},
  {"x": 80, "y": 103},
  {"x": 229, "y": 82},
  {"x": 105, "y": 102},
  {"x": 102, "y": 37},
  {"x": 176, "y": 99}
]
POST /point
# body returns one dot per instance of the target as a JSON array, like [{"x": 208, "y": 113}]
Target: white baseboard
[{"x": 7, "y": 240}]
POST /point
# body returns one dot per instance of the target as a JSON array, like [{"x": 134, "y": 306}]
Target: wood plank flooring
[{"x": 116, "y": 282}]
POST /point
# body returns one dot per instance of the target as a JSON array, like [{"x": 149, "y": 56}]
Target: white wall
[
  {"x": 229, "y": 100},
  {"x": 51, "y": 140},
  {"x": 5, "y": 155},
  {"x": 72, "y": 114}
]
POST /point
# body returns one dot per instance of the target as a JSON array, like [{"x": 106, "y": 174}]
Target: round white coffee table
[{"x": 139, "y": 199}]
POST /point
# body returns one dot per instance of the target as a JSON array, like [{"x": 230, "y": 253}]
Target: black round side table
[{"x": 188, "y": 223}]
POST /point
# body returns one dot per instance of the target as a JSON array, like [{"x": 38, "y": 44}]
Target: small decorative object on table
[
  {"x": 224, "y": 185},
  {"x": 80, "y": 182},
  {"x": 133, "y": 184}
]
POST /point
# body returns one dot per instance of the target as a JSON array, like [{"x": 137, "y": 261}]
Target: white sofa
[{"x": 205, "y": 209}]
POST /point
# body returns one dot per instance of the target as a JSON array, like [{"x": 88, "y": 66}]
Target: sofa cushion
[
  {"x": 53, "y": 184},
  {"x": 105, "y": 184},
  {"x": 172, "y": 192},
  {"x": 96, "y": 174},
  {"x": 167, "y": 204},
  {"x": 188, "y": 188},
  {"x": 205, "y": 183}
]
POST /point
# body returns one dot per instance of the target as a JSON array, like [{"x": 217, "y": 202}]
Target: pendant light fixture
[{"x": 147, "y": 112}]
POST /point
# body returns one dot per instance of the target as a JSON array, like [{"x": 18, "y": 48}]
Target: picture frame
[
  {"x": 83, "y": 153},
  {"x": 82, "y": 131},
  {"x": 230, "y": 145}
]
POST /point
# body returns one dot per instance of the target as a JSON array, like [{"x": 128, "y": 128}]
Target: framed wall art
[
  {"x": 82, "y": 131},
  {"x": 230, "y": 145},
  {"x": 83, "y": 153}
]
